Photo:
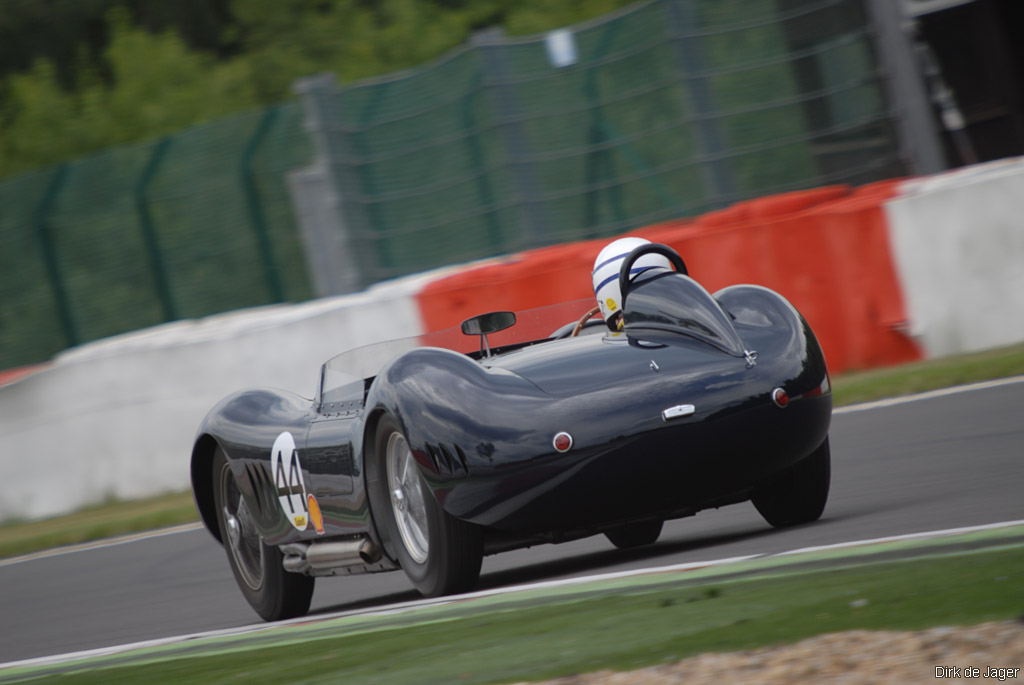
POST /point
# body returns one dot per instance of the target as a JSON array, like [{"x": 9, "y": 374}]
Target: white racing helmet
[{"x": 606, "y": 274}]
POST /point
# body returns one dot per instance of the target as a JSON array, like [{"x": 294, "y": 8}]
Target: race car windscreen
[
  {"x": 342, "y": 378},
  {"x": 677, "y": 304}
]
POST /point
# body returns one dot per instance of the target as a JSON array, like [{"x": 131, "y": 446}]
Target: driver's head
[{"x": 606, "y": 275}]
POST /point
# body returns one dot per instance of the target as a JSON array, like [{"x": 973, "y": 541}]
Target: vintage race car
[{"x": 428, "y": 453}]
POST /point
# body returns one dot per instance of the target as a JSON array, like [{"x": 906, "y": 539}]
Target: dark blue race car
[{"x": 427, "y": 458}]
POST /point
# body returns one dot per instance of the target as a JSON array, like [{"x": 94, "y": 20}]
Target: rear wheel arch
[
  {"x": 799, "y": 494},
  {"x": 371, "y": 470},
  {"x": 440, "y": 554}
]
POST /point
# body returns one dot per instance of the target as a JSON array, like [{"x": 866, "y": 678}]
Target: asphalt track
[{"x": 940, "y": 462}]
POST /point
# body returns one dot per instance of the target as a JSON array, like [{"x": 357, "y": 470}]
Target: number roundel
[{"x": 291, "y": 489}]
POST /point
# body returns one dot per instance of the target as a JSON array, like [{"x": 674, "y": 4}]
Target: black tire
[
  {"x": 635, "y": 534},
  {"x": 440, "y": 554},
  {"x": 272, "y": 592},
  {"x": 797, "y": 495}
]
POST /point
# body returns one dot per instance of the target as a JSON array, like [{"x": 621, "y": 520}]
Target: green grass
[
  {"x": 622, "y": 629},
  {"x": 127, "y": 517}
]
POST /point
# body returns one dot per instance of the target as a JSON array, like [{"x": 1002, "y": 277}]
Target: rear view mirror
[
  {"x": 492, "y": 322},
  {"x": 484, "y": 324}
]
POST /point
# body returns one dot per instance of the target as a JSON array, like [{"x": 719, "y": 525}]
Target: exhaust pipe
[
  {"x": 320, "y": 556},
  {"x": 346, "y": 553}
]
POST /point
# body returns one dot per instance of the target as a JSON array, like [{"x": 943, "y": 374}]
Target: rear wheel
[
  {"x": 440, "y": 554},
  {"x": 798, "y": 494},
  {"x": 272, "y": 592},
  {"x": 635, "y": 534}
]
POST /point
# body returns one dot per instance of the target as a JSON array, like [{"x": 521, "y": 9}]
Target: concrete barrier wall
[
  {"x": 958, "y": 240},
  {"x": 876, "y": 271},
  {"x": 118, "y": 417}
]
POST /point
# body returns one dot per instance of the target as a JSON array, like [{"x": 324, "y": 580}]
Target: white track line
[
  {"x": 931, "y": 394},
  {"x": 100, "y": 544},
  {"x": 908, "y": 536},
  {"x": 405, "y": 607}
]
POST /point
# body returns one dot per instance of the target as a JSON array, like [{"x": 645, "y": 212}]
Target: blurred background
[
  {"x": 172, "y": 172},
  {"x": 169, "y": 159}
]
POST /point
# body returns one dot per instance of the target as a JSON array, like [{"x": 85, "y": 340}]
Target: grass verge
[
  {"x": 129, "y": 517},
  {"x": 620, "y": 629},
  {"x": 105, "y": 520},
  {"x": 908, "y": 379}
]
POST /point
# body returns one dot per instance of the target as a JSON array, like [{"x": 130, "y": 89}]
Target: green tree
[
  {"x": 77, "y": 76},
  {"x": 171, "y": 87}
]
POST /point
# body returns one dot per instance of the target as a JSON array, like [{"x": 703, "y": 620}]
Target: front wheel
[
  {"x": 272, "y": 592},
  {"x": 798, "y": 494},
  {"x": 440, "y": 554}
]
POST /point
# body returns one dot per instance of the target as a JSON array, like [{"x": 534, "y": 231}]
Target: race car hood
[
  {"x": 672, "y": 326},
  {"x": 591, "y": 362}
]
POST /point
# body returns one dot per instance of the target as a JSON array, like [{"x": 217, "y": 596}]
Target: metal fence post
[
  {"x": 252, "y": 200},
  {"x": 360, "y": 176},
  {"x": 910, "y": 107},
  {"x": 41, "y": 224},
  {"x": 478, "y": 163},
  {"x": 599, "y": 158},
  {"x": 317, "y": 195},
  {"x": 688, "y": 54},
  {"x": 149, "y": 236},
  {"x": 532, "y": 214}
]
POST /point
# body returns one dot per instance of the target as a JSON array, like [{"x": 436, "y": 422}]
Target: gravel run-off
[{"x": 859, "y": 656}]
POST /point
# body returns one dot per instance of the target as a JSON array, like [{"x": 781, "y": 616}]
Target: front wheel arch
[
  {"x": 273, "y": 592},
  {"x": 202, "y": 483}
]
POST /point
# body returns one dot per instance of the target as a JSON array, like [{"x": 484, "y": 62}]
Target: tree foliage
[{"x": 80, "y": 75}]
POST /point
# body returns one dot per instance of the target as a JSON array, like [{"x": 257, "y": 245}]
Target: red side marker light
[
  {"x": 562, "y": 442},
  {"x": 780, "y": 398}
]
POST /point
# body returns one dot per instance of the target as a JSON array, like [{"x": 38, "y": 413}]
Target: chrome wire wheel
[
  {"x": 408, "y": 502},
  {"x": 240, "y": 536}
]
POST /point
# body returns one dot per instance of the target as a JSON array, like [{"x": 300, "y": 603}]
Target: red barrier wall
[{"x": 826, "y": 250}]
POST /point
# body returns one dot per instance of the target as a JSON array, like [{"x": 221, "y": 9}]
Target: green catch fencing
[
  {"x": 186, "y": 226},
  {"x": 666, "y": 109}
]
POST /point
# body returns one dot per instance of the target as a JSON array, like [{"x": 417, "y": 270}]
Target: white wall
[
  {"x": 117, "y": 417},
  {"x": 958, "y": 243}
]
